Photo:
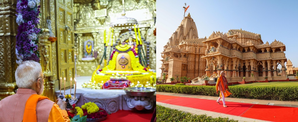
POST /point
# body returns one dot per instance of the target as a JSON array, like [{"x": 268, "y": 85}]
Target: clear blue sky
[{"x": 273, "y": 19}]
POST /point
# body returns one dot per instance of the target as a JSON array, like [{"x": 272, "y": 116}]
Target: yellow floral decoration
[
  {"x": 123, "y": 47},
  {"x": 79, "y": 111},
  {"x": 90, "y": 107}
]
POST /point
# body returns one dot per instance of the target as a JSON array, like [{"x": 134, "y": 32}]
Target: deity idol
[{"x": 124, "y": 60}]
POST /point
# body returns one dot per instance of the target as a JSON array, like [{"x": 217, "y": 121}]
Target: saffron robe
[
  {"x": 12, "y": 108},
  {"x": 222, "y": 85}
]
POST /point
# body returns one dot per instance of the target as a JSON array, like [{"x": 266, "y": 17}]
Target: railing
[
  {"x": 249, "y": 55},
  {"x": 262, "y": 56},
  {"x": 224, "y": 51},
  {"x": 278, "y": 55},
  {"x": 236, "y": 53}
]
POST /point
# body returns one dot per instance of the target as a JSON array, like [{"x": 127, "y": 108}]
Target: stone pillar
[
  {"x": 46, "y": 60},
  {"x": 241, "y": 67},
  {"x": 230, "y": 69},
  {"x": 268, "y": 49},
  {"x": 275, "y": 68},
  {"x": 234, "y": 68},
  {"x": 8, "y": 32},
  {"x": 219, "y": 64},
  {"x": 251, "y": 68},
  {"x": 207, "y": 48},
  {"x": 214, "y": 68},
  {"x": 227, "y": 68},
  {"x": 207, "y": 67},
  {"x": 264, "y": 70},
  {"x": 246, "y": 71},
  {"x": 80, "y": 46},
  {"x": 283, "y": 68},
  {"x": 269, "y": 68}
]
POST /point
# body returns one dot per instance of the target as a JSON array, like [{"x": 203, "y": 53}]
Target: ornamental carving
[{"x": 277, "y": 43}]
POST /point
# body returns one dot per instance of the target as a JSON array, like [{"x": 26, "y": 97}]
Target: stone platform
[{"x": 110, "y": 100}]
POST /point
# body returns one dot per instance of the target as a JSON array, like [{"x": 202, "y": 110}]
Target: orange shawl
[
  {"x": 30, "y": 108},
  {"x": 225, "y": 90}
]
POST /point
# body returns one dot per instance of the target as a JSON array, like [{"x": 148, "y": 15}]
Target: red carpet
[
  {"x": 164, "y": 97},
  {"x": 129, "y": 116},
  {"x": 261, "y": 112},
  {"x": 209, "y": 105},
  {"x": 273, "y": 113}
]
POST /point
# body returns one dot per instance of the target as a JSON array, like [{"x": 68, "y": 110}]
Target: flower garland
[
  {"x": 27, "y": 36},
  {"x": 79, "y": 111},
  {"x": 90, "y": 107}
]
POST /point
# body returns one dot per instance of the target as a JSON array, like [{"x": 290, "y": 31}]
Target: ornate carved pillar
[
  {"x": 268, "y": 49},
  {"x": 241, "y": 68},
  {"x": 96, "y": 44},
  {"x": 264, "y": 70},
  {"x": 230, "y": 69},
  {"x": 234, "y": 67},
  {"x": 219, "y": 59},
  {"x": 95, "y": 39},
  {"x": 252, "y": 68},
  {"x": 80, "y": 46},
  {"x": 237, "y": 68},
  {"x": 283, "y": 68},
  {"x": 44, "y": 47},
  {"x": 206, "y": 51},
  {"x": 282, "y": 49},
  {"x": 269, "y": 68},
  {"x": 214, "y": 68},
  {"x": 143, "y": 32},
  {"x": 8, "y": 32},
  {"x": 247, "y": 70},
  {"x": 275, "y": 68},
  {"x": 273, "y": 50},
  {"x": 246, "y": 49},
  {"x": 207, "y": 67},
  {"x": 263, "y": 50},
  {"x": 226, "y": 66},
  {"x": 45, "y": 52}
]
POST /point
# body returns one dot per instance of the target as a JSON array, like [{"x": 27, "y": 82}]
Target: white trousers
[{"x": 223, "y": 98}]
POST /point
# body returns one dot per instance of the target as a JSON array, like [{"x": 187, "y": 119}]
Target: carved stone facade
[
  {"x": 239, "y": 53},
  {"x": 92, "y": 18},
  {"x": 182, "y": 54},
  {"x": 291, "y": 70},
  {"x": 8, "y": 32},
  {"x": 243, "y": 54}
]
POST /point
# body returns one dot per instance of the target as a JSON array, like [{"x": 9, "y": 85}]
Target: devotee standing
[
  {"x": 27, "y": 105},
  {"x": 222, "y": 86}
]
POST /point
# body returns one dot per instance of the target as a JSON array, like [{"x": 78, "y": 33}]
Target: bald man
[{"x": 27, "y": 105}]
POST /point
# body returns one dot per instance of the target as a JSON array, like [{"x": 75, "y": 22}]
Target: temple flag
[{"x": 186, "y": 8}]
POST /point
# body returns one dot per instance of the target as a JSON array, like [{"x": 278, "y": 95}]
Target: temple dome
[
  {"x": 186, "y": 30},
  {"x": 189, "y": 25}
]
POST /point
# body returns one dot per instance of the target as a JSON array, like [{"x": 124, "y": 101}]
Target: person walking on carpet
[{"x": 222, "y": 86}]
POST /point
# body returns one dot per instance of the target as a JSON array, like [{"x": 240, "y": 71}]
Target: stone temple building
[
  {"x": 291, "y": 70},
  {"x": 239, "y": 53},
  {"x": 182, "y": 56}
]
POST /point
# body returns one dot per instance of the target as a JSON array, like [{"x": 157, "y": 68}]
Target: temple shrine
[
  {"x": 86, "y": 48},
  {"x": 241, "y": 54}
]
